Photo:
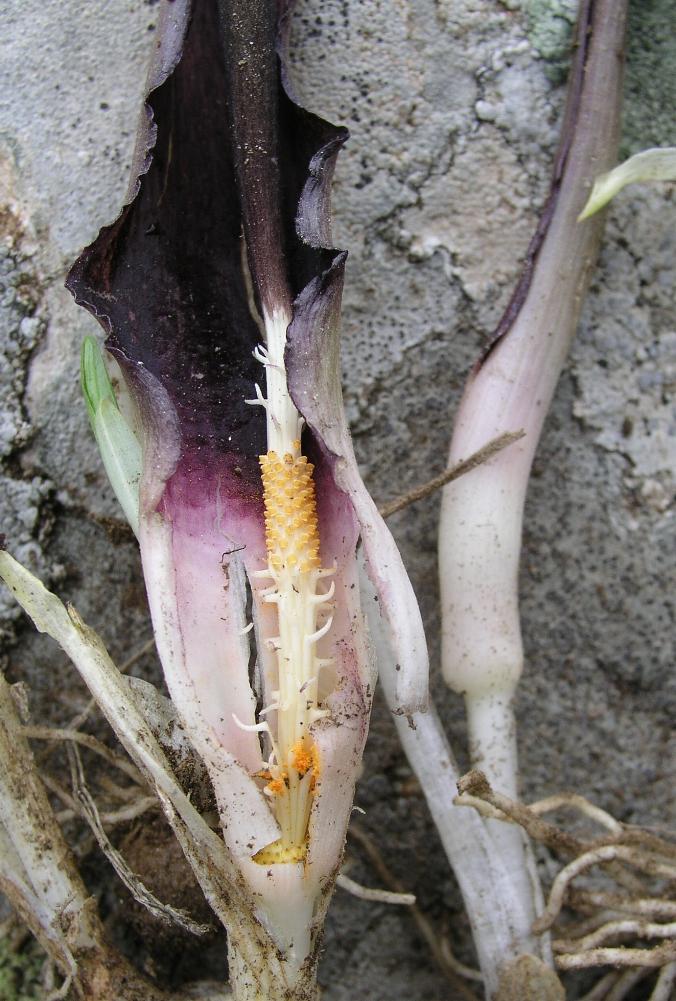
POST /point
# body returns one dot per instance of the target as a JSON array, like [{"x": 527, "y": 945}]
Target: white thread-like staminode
[{"x": 260, "y": 400}]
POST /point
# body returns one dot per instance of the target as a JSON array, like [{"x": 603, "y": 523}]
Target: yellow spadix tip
[{"x": 291, "y": 531}]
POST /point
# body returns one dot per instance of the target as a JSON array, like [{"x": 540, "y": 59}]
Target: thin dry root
[
  {"x": 646, "y": 906},
  {"x": 89, "y": 811},
  {"x": 377, "y": 896},
  {"x": 577, "y": 802},
  {"x": 601, "y": 988},
  {"x": 606, "y": 853},
  {"x": 616, "y": 929},
  {"x": 659, "y": 956},
  {"x": 89, "y": 741},
  {"x": 626, "y": 980},
  {"x": 665, "y": 983},
  {"x": 633, "y": 916},
  {"x": 63, "y": 991},
  {"x": 475, "y": 785}
]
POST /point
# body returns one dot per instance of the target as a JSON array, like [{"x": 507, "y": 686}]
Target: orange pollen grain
[
  {"x": 291, "y": 531},
  {"x": 277, "y": 786},
  {"x": 302, "y": 758},
  {"x": 315, "y": 764}
]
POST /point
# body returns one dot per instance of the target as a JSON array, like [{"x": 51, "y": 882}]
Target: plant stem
[
  {"x": 500, "y": 918},
  {"x": 492, "y": 745},
  {"x": 256, "y": 973},
  {"x": 501, "y": 926},
  {"x": 512, "y": 387}
]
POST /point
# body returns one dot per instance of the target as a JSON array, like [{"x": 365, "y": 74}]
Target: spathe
[{"x": 228, "y": 219}]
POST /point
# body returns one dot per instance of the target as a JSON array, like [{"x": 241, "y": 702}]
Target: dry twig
[
  {"x": 165, "y": 912},
  {"x": 475, "y": 785},
  {"x": 482, "y": 455}
]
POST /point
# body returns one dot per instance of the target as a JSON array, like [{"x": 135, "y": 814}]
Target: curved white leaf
[{"x": 649, "y": 165}]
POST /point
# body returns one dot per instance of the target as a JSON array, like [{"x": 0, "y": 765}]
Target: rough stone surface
[{"x": 453, "y": 106}]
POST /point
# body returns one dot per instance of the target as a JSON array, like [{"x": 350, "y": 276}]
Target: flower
[{"x": 216, "y": 273}]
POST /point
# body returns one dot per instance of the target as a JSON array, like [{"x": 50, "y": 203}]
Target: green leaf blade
[
  {"x": 119, "y": 447},
  {"x": 649, "y": 165},
  {"x": 95, "y": 381},
  {"x": 122, "y": 458}
]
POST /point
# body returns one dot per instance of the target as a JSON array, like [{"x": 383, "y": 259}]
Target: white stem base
[
  {"x": 493, "y": 750},
  {"x": 500, "y": 916},
  {"x": 257, "y": 975}
]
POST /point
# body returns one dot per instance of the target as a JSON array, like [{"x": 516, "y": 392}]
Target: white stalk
[
  {"x": 284, "y": 423},
  {"x": 501, "y": 923},
  {"x": 511, "y": 389},
  {"x": 482, "y": 653}
]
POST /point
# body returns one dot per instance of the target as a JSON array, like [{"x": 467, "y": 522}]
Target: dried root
[{"x": 632, "y": 931}]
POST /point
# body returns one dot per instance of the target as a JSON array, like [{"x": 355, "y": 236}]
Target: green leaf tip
[
  {"x": 649, "y": 165},
  {"x": 95, "y": 381},
  {"x": 119, "y": 447}
]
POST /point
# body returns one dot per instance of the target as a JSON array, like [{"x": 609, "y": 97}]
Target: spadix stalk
[{"x": 294, "y": 574}]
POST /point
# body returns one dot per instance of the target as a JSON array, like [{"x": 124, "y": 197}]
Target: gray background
[{"x": 454, "y": 107}]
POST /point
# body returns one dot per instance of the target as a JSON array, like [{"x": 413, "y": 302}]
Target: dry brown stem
[{"x": 482, "y": 455}]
